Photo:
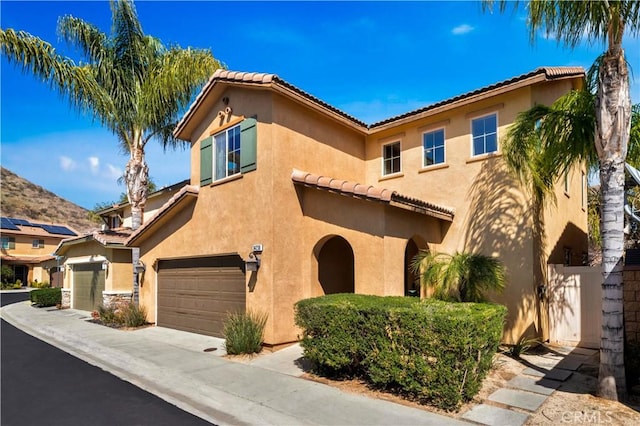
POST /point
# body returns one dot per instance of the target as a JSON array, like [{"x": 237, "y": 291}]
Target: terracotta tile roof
[
  {"x": 107, "y": 237},
  {"x": 548, "y": 73},
  {"x": 186, "y": 191},
  {"x": 258, "y": 79},
  {"x": 26, "y": 259},
  {"x": 372, "y": 193},
  {"x": 273, "y": 81}
]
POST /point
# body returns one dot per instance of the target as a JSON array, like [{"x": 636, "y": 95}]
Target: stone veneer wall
[
  {"x": 632, "y": 302},
  {"x": 66, "y": 298},
  {"x": 113, "y": 298}
]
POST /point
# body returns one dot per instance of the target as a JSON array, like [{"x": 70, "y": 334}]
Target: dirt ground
[{"x": 573, "y": 403}]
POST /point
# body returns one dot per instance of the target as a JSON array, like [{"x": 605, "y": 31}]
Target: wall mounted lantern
[{"x": 252, "y": 264}]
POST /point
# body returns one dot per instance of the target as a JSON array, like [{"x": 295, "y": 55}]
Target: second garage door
[
  {"x": 88, "y": 285},
  {"x": 197, "y": 294}
]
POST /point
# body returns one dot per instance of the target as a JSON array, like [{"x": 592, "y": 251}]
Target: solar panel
[
  {"x": 5, "y": 223},
  {"x": 60, "y": 230},
  {"x": 20, "y": 221}
]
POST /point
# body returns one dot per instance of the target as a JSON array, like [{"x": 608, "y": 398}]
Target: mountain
[{"x": 20, "y": 198}]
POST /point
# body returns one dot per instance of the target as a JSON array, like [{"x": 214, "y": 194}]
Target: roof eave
[{"x": 181, "y": 200}]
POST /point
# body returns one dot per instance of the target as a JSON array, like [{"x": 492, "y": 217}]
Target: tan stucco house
[
  {"x": 97, "y": 265},
  {"x": 28, "y": 246},
  {"x": 291, "y": 198}
]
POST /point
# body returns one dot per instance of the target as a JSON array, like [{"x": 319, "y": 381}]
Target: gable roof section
[
  {"x": 175, "y": 203},
  {"x": 371, "y": 193},
  {"x": 273, "y": 82},
  {"x": 265, "y": 81},
  {"x": 113, "y": 238}
]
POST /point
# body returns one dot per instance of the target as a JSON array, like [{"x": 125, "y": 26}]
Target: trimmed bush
[
  {"x": 46, "y": 297},
  {"x": 244, "y": 332},
  {"x": 430, "y": 351}
]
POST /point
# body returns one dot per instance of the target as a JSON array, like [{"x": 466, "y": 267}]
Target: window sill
[
  {"x": 227, "y": 179},
  {"x": 483, "y": 157},
  {"x": 433, "y": 167},
  {"x": 391, "y": 176}
]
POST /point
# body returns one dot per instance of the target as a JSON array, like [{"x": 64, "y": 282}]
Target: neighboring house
[
  {"x": 119, "y": 215},
  {"x": 327, "y": 203},
  {"x": 28, "y": 246},
  {"x": 98, "y": 265}
]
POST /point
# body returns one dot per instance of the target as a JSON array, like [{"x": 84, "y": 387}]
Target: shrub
[
  {"x": 430, "y": 351},
  {"x": 46, "y": 297},
  {"x": 133, "y": 315},
  {"x": 462, "y": 277},
  {"x": 123, "y": 314},
  {"x": 244, "y": 332},
  {"x": 10, "y": 286},
  {"x": 37, "y": 284}
]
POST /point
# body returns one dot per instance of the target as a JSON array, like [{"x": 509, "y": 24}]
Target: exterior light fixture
[
  {"x": 105, "y": 265},
  {"x": 140, "y": 267},
  {"x": 252, "y": 264}
]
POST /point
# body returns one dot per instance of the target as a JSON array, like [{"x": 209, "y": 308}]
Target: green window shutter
[
  {"x": 206, "y": 161},
  {"x": 248, "y": 143}
]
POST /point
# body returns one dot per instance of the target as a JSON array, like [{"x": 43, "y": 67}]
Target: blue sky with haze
[{"x": 372, "y": 60}]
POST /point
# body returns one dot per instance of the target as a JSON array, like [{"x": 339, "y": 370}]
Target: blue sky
[{"x": 372, "y": 60}]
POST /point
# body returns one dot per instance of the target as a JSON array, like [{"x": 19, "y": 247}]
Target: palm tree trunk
[
  {"x": 137, "y": 177},
  {"x": 613, "y": 113}
]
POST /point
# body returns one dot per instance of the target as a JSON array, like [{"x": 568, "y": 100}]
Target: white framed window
[
  {"x": 391, "y": 158},
  {"x": 484, "y": 134},
  {"x": 226, "y": 157},
  {"x": 37, "y": 243},
  {"x": 433, "y": 151},
  {"x": 8, "y": 243}
]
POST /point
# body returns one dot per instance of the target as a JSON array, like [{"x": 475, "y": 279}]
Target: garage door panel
[
  {"x": 199, "y": 298},
  {"x": 88, "y": 285}
]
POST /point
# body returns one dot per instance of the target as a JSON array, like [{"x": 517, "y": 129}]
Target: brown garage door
[
  {"x": 197, "y": 294},
  {"x": 88, "y": 285}
]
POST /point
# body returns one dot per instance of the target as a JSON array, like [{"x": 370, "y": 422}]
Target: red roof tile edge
[
  {"x": 269, "y": 79},
  {"x": 369, "y": 192}
]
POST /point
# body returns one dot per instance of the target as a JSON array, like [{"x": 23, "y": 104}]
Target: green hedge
[
  {"x": 430, "y": 351},
  {"x": 46, "y": 297}
]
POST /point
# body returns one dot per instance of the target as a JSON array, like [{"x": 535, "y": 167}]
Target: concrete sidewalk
[{"x": 175, "y": 366}]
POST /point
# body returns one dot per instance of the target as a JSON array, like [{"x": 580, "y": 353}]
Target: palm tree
[
  {"x": 461, "y": 277},
  {"x": 130, "y": 81},
  {"x": 599, "y": 21}
]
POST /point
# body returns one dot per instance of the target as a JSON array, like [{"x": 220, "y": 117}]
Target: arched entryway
[
  {"x": 411, "y": 278},
  {"x": 335, "y": 265}
]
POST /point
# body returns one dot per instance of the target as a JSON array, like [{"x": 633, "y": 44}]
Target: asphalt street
[{"x": 42, "y": 385}]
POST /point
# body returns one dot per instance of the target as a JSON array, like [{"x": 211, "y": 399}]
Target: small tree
[
  {"x": 464, "y": 277},
  {"x": 7, "y": 274}
]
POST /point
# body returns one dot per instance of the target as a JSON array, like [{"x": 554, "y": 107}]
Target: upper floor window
[
  {"x": 114, "y": 222},
  {"x": 8, "y": 243},
  {"x": 37, "y": 244},
  {"x": 227, "y": 153},
  {"x": 484, "y": 131},
  {"x": 391, "y": 158},
  {"x": 433, "y": 148}
]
